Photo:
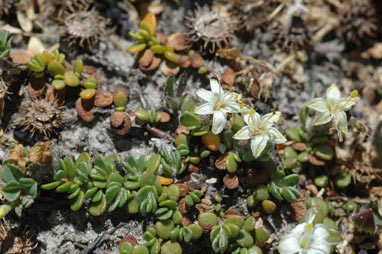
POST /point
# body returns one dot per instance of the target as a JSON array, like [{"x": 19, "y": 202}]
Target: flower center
[{"x": 306, "y": 237}]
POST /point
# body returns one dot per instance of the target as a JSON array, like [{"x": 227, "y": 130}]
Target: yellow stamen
[
  {"x": 236, "y": 97},
  {"x": 354, "y": 93},
  {"x": 251, "y": 112},
  {"x": 309, "y": 226},
  {"x": 241, "y": 105},
  {"x": 303, "y": 243}
]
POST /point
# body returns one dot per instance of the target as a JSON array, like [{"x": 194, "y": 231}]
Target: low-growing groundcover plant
[{"x": 149, "y": 185}]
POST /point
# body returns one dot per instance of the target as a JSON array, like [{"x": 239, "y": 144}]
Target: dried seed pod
[
  {"x": 359, "y": 21},
  {"x": 296, "y": 35},
  {"x": 6, "y": 7},
  {"x": 21, "y": 240},
  {"x": 211, "y": 30},
  {"x": 85, "y": 28},
  {"x": 252, "y": 14},
  {"x": 42, "y": 116}
]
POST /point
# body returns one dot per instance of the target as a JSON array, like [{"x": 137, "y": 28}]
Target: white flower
[
  {"x": 333, "y": 108},
  {"x": 260, "y": 130},
  {"x": 218, "y": 103},
  {"x": 306, "y": 239}
]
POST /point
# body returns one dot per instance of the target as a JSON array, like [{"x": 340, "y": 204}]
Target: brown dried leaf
[
  {"x": 121, "y": 121},
  {"x": 169, "y": 68},
  {"x": 313, "y": 160},
  {"x": 85, "y": 110},
  {"x": 40, "y": 153},
  {"x": 145, "y": 58},
  {"x": 299, "y": 147},
  {"x": 196, "y": 61},
  {"x": 229, "y": 54},
  {"x": 193, "y": 169},
  {"x": 89, "y": 69},
  {"x": 17, "y": 157},
  {"x": 231, "y": 212},
  {"x": 154, "y": 64},
  {"x": 183, "y": 209},
  {"x": 36, "y": 86},
  {"x": 185, "y": 221},
  {"x": 103, "y": 98},
  {"x": 56, "y": 96},
  {"x": 231, "y": 181},
  {"x": 182, "y": 129},
  {"x": 298, "y": 210},
  {"x": 220, "y": 163},
  {"x": 20, "y": 57},
  {"x": 229, "y": 77},
  {"x": 179, "y": 42},
  {"x": 164, "y": 117},
  {"x": 161, "y": 37},
  {"x": 184, "y": 61},
  {"x": 184, "y": 189},
  {"x": 205, "y": 206}
]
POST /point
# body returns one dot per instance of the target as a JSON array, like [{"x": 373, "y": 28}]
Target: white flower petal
[
  {"x": 205, "y": 94},
  {"x": 253, "y": 119},
  {"x": 318, "y": 104},
  {"x": 341, "y": 122},
  {"x": 275, "y": 136},
  {"x": 348, "y": 103},
  {"x": 243, "y": 133},
  {"x": 204, "y": 109},
  {"x": 321, "y": 118},
  {"x": 271, "y": 117},
  {"x": 333, "y": 93},
  {"x": 218, "y": 122},
  {"x": 258, "y": 144},
  {"x": 289, "y": 245},
  {"x": 216, "y": 87}
]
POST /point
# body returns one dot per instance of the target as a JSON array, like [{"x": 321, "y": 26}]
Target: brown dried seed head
[
  {"x": 210, "y": 29},
  {"x": 103, "y": 98},
  {"x": 358, "y": 22},
  {"x": 85, "y": 28},
  {"x": 42, "y": 116}
]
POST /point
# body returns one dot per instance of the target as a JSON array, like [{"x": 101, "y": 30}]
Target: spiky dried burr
[
  {"x": 41, "y": 116},
  {"x": 209, "y": 29}
]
